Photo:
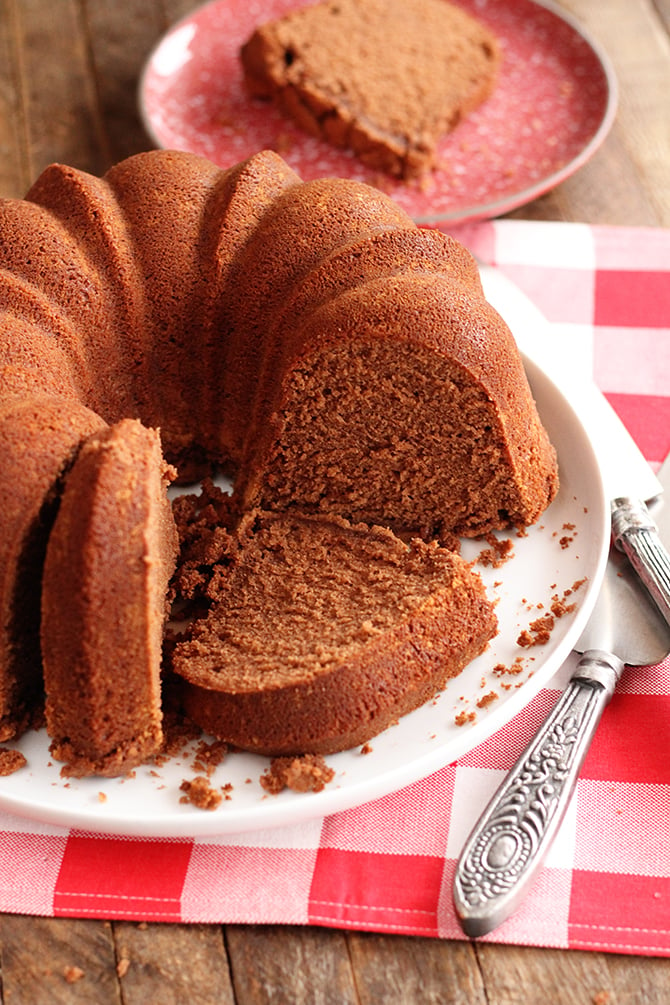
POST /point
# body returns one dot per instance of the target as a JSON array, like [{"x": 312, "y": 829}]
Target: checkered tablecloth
[{"x": 388, "y": 866}]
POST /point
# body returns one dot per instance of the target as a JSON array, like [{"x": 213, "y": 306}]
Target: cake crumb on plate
[
  {"x": 308, "y": 773},
  {"x": 11, "y": 761},
  {"x": 200, "y": 793}
]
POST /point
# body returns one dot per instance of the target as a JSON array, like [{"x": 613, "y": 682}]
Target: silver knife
[{"x": 636, "y": 533}]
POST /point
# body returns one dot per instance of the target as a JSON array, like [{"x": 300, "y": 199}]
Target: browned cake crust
[
  {"x": 386, "y": 78},
  {"x": 109, "y": 559},
  {"x": 322, "y": 633}
]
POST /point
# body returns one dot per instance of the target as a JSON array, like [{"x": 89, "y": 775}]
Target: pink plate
[{"x": 554, "y": 104}]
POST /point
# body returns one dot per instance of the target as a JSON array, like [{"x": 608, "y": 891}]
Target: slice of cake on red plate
[{"x": 385, "y": 78}]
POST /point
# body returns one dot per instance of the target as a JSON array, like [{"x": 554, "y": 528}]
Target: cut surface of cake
[
  {"x": 385, "y": 78},
  {"x": 322, "y": 633},
  {"x": 109, "y": 559}
]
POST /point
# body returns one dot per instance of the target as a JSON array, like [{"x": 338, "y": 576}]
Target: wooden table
[{"x": 68, "y": 76}]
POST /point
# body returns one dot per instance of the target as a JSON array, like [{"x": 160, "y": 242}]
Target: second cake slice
[
  {"x": 386, "y": 78},
  {"x": 322, "y": 633}
]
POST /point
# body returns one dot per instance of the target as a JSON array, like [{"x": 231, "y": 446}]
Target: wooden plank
[
  {"x": 636, "y": 40},
  {"x": 408, "y": 970},
  {"x": 297, "y": 966},
  {"x": 626, "y": 181},
  {"x": 62, "y": 120},
  {"x": 121, "y": 37},
  {"x": 517, "y": 975},
  {"x": 175, "y": 10},
  {"x": 604, "y": 191},
  {"x": 14, "y": 179},
  {"x": 57, "y": 960},
  {"x": 172, "y": 964},
  {"x": 639, "y": 981}
]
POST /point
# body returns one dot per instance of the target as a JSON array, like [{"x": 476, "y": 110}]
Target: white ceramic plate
[
  {"x": 553, "y": 105},
  {"x": 569, "y": 544}
]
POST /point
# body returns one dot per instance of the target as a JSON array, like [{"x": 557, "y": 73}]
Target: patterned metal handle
[
  {"x": 504, "y": 852},
  {"x": 636, "y": 534}
]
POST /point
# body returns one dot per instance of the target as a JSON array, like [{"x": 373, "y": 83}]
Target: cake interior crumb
[
  {"x": 72, "y": 974},
  {"x": 11, "y": 761},
  {"x": 200, "y": 793},
  {"x": 308, "y": 773}
]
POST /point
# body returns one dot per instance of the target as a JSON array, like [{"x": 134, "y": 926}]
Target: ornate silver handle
[
  {"x": 636, "y": 534},
  {"x": 505, "y": 850}
]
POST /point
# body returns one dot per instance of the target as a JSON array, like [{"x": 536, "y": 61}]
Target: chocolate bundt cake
[
  {"x": 385, "y": 78},
  {"x": 306, "y": 337}
]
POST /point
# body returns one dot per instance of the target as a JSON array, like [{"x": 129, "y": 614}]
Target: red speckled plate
[{"x": 553, "y": 106}]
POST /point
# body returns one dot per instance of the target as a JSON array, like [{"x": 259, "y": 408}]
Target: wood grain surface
[{"x": 68, "y": 80}]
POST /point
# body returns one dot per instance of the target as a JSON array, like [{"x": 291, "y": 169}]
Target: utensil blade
[
  {"x": 625, "y": 620},
  {"x": 637, "y": 533}
]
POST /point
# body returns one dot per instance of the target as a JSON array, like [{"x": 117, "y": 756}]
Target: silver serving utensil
[
  {"x": 505, "y": 850},
  {"x": 637, "y": 534}
]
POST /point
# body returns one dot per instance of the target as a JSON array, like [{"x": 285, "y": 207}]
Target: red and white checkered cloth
[{"x": 388, "y": 866}]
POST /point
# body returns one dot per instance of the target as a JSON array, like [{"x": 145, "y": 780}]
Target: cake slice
[
  {"x": 109, "y": 560},
  {"x": 386, "y": 78},
  {"x": 322, "y": 633}
]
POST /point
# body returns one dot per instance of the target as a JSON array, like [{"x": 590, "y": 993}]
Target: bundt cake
[
  {"x": 322, "y": 633},
  {"x": 306, "y": 337},
  {"x": 385, "y": 78}
]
